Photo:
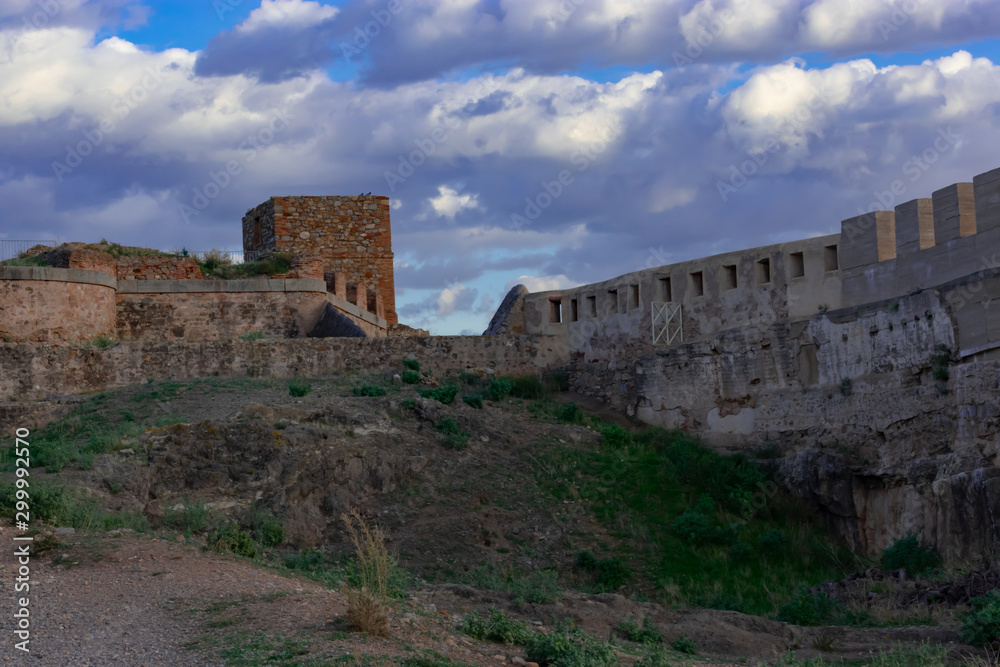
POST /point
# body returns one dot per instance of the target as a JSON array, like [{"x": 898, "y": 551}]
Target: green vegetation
[
  {"x": 298, "y": 387},
  {"x": 571, "y": 414},
  {"x": 906, "y": 553},
  {"x": 569, "y": 646},
  {"x": 536, "y": 587},
  {"x": 253, "y": 335},
  {"x": 257, "y": 530},
  {"x": 940, "y": 361},
  {"x": 24, "y": 260},
  {"x": 411, "y": 365},
  {"x": 268, "y": 266},
  {"x": 369, "y": 390},
  {"x": 922, "y": 655},
  {"x": 473, "y": 401},
  {"x": 496, "y": 627},
  {"x": 102, "y": 342},
  {"x": 684, "y": 645},
  {"x": 697, "y": 528},
  {"x": 499, "y": 388},
  {"x": 609, "y": 574},
  {"x": 58, "y": 506},
  {"x": 981, "y": 624},
  {"x": 192, "y": 518},
  {"x": 808, "y": 609},
  {"x": 845, "y": 387},
  {"x": 455, "y": 437},
  {"x": 411, "y": 377},
  {"x": 645, "y": 634},
  {"x": 445, "y": 394}
]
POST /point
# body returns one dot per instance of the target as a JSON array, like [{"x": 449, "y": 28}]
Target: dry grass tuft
[{"x": 368, "y": 601}]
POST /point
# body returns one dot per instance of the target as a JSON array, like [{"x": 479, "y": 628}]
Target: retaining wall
[{"x": 47, "y": 305}]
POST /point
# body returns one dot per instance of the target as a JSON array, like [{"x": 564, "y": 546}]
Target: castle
[{"x": 341, "y": 268}]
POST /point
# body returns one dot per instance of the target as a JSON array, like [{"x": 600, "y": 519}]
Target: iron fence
[
  {"x": 10, "y": 249},
  {"x": 235, "y": 256}
]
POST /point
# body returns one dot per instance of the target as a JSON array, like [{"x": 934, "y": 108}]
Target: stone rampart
[{"x": 50, "y": 305}]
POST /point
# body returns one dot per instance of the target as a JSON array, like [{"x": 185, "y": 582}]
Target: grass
[
  {"x": 536, "y": 587},
  {"x": 701, "y": 529},
  {"x": 253, "y": 335},
  {"x": 25, "y": 261},
  {"x": 368, "y": 596},
  {"x": 299, "y": 388},
  {"x": 270, "y": 266},
  {"x": 369, "y": 390}
]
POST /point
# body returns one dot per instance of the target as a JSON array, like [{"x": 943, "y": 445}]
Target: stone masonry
[{"x": 351, "y": 235}]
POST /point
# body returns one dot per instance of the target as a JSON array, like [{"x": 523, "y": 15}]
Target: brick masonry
[
  {"x": 157, "y": 268},
  {"x": 350, "y": 235}
]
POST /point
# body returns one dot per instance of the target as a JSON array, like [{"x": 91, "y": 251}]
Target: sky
[{"x": 544, "y": 142}]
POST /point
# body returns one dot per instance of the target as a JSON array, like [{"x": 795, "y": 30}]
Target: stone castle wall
[
  {"x": 350, "y": 235},
  {"x": 36, "y": 306}
]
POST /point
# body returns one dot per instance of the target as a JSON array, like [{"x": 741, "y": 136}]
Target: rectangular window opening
[
  {"x": 612, "y": 301},
  {"x": 763, "y": 270},
  {"x": 555, "y": 311},
  {"x": 797, "y": 264},
  {"x": 664, "y": 293},
  {"x": 729, "y": 277},
  {"x": 830, "y": 258},
  {"x": 592, "y": 306},
  {"x": 633, "y": 297},
  {"x": 697, "y": 283},
  {"x": 574, "y": 311}
]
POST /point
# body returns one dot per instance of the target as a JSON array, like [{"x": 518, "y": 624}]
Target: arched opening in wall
[
  {"x": 830, "y": 259},
  {"x": 763, "y": 270},
  {"x": 797, "y": 264}
]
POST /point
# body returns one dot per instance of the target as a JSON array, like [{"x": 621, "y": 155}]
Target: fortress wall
[
  {"x": 32, "y": 372},
  {"x": 52, "y": 305},
  {"x": 753, "y": 287},
  {"x": 157, "y": 268},
  {"x": 351, "y": 235},
  {"x": 200, "y": 310}
]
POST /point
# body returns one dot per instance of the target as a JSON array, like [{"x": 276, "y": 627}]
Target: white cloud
[
  {"x": 286, "y": 14},
  {"x": 542, "y": 283},
  {"x": 450, "y": 203}
]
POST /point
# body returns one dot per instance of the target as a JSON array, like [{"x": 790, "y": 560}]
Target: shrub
[
  {"x": 499, "y": 388},
  {"x": 570, "y": 413},
  {"x": 214, "y": 259},
  {"x": 411, "y": 365},
  {"x": 684, "y": 645},
  {"x": 411, "y": 377},
  {"x": 772, "y": 542},
  {"x": 528, "y": 386},
  {"x": 570, "y": 647},
  {"x": 536, "y": 587},
  {"x": 368, "y": 598},
  {"x": 981, "y": 624},
  {"x": 696, "y": 525},
  {"x": 234, "y": 539},
  {"x": 610, "y": 573},
  {"x": 299, "y": 388},
  {"x": 369, "y": 390},
  {"x": 473, "y": 401},
  {"x": 906, "y": 553},
  {"x": 615, "y": 435},
  {"x": 265, "y": 527},
  {"x": 497, "y": 627},
  {"x": 102, "y": 342},
  {"x": 252, "y": 335},
  {"x": 647, "y": 634},
  {"x": 445, "y": 394},
  {"x": 807, "y": 609}
]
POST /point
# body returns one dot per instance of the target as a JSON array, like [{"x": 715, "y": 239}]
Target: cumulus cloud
[
  {"x": 450, "y": 203},
  {"x": 280, "y": 40}
]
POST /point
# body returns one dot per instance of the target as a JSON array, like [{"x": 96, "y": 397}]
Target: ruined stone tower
[{"x": 351, "y": 235}]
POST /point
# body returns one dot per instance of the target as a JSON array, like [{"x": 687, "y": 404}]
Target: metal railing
[
  {"x": 10, "y": 249},
  {"x": 668, "y": 325},
  {"x": 235, "y": 256}
]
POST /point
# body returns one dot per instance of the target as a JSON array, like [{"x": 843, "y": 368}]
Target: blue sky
[{"x": 648, "y": 110}]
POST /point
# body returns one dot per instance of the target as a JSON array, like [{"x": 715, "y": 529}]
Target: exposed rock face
[{"x": 307, "y": 466}]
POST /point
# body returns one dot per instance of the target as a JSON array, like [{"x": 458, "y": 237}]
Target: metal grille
[
  {"x": 9, "y": 249},
  {"x": 235, "y": 256},
  {"x": 668, "y": 324}
]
